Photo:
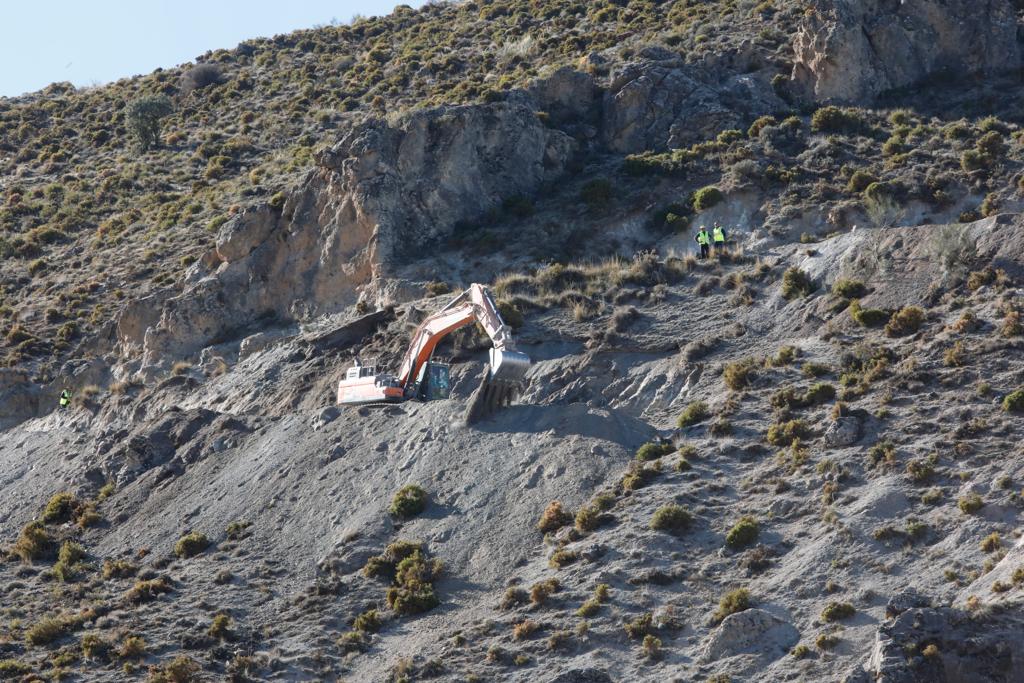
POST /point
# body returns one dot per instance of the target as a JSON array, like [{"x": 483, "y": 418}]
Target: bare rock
[
  {"x": 842, "y": 432},
  {"x": 666, "y": 104},
  {"x": 850, "y": 51},
  {"x": 243, "y": 233},
  {"x": 750, "y": 631}
]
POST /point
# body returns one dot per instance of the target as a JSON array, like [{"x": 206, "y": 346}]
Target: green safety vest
[
  {"x": 65, "y": 398},
  {"x": 719, "y": 235},
  {"x": 702, "y": 237}
]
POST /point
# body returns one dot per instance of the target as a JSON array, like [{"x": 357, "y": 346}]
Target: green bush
[
  {"x": 970, "y": 503},
  {"x": 554, "y": 518},
  {"x": 743, "y": 533},
  {"x": 12, "y": 669},
  {"x": 835, "y": 611},
  {"x": 191, "y": 545},
  {"x": 653, "y": 451},
  {"x": 849, "y": 289},
  {"x": 821, "y": 392},
  {"x": 906, "y": 321},
  {"x": 868, "y": 317},
  {"x": 785, "y": 433},
  {"x": 694, "y": 413},
  {"x": 796, "y": 283},
  {"x": 34, "y": 542},
  {"x": 732, "y": 602},
  {"x": 671, "y": 518},
  {"x": 859, "y": 181},
  {"x": 833, "y": 119},
  {"x": 1014, "y": 402},
  {"x": 410, "y": 501},
  {"x": 706, "y": 197},
  {"x": 755, "y": 128},
  {"x": 739, "y": 374},
  {"x": 47, "y": 630},
  {"x": 143, "y": 115},
  {"x": 60, "y": 508}
]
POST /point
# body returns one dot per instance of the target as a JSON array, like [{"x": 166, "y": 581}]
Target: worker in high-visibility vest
[
  {"x": 65, "y": 398},
  {"x": 704, "y": 240},
  {"x": 718, "y": 235}
]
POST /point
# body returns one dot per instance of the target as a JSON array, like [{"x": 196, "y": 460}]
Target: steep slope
[{"x": 797, "y": 460}]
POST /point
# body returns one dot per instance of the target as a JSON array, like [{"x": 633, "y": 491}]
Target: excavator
[{"x": 420, "y": 377}]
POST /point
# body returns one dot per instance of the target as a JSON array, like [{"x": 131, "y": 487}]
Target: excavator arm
[{"x": 474, "y": 305}]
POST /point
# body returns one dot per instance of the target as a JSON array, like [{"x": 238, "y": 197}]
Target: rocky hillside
[{"x": 798, "y": 460}]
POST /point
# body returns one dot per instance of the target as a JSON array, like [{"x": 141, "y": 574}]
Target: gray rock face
[
  {"x": 377, "y": 197},
  {"x": 850, "y": 51},
  {"x": 662, "y": 105},
  {"x": 750, "y": 631},
  {"x": 968, "y": 648},
  {"x": 844, "y": 431}
]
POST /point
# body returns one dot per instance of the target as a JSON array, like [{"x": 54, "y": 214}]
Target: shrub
[
  {"x": 413, "y": 589},
  {"x": 826, "y": 641},
  {"x": 991, "y": 543},
  {"x": 181, "y": 669},
  {"x": 132, "y": 647},
  {"x": 707, "y": 197},
  {"x": 220, "y": 628},
  {"x": 588, "y": 518},
  {"x": 671, "y": 518},
  {"x": 821, "y": 392},
  {"x": 867, "y": 317},
  {"x": 60, "y": 508},
  {"x": 742, "y": 533},
  {"x": 34, "y": 542},
  {"x": 970, "y": 503},
  {"x": 763, "y": 122},
  {"x": 1014, "y": 402},
  {"x": 542, "y": 590},
  {"x": 561, "y": 558},
  {"x": 68, "y": 559},
  {"x": 589, "y": 608},
  {"x": 47, "y": 630},
  {"x": 859, "y": 181},
  {"x": 410, "y": 501},
  {"x": 732, "y": 602},
  {"x": 191, "y": 545},
  {"x": 785, "y": 433},
  {"x": 835, "y": 120},
  {"x": 118, "y": 569},
  {"x": 12, "y": 668},
  {"x": 796, "y": 283},
  {"x": 906, "y": 321},
  {"x": 834, "y": 611},
  {"x": 694, "y": 413},
  {"x": 651, "y": 647},
  {"x": 201, "y": 76},
  {"x": 553, "y": 518},
  {"x": 653, "y": 451},
  {"x": 146, "y": 591},
  {"x": 639, "y": 627},
  {"x": 739, "y": 374},
  {"x": 849, "y": 289},
  {"x": 143, "y": 116},
  {"x": 524, "y": 629}
]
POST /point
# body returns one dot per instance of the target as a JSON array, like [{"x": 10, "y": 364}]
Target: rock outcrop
[
  {"x": 850, "y": 51},
  {"x": 379, "y": 196},
  {"x": 658, "y": 105}
]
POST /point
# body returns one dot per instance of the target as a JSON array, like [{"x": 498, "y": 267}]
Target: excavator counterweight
[{"x": 422, "y": 378}]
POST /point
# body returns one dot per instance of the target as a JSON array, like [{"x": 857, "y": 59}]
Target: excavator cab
[{"x": 434, "y": 382}]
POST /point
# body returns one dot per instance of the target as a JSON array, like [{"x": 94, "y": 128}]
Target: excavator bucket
[{"x": 500, "y": 385}]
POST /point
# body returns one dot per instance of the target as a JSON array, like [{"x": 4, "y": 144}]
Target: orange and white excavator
[{"x": 419, "y": 377}]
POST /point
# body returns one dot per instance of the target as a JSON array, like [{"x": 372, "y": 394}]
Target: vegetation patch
[
  {"x": 410, "y": 501},
  {"x": 743, "y": 533},
  {"x": 672, "y": 518}
]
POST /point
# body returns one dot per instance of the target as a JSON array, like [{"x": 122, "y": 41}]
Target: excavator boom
[{"x": 501, "y": 382}]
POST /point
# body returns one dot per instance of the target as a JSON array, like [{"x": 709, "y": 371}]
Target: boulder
[
  {"x": 851, "y": 51},
  {"x": 752, "y": 631},
  {"x": 842, "y": 432}
]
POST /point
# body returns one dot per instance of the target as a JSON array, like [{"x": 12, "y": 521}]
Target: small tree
[{"x": 143, "y": 116}]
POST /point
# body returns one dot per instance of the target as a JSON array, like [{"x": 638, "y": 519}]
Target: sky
[{"x": 90, "y": 42}]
